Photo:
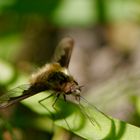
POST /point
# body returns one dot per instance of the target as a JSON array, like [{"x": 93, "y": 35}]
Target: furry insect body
[{"x": 54, "y": 76}]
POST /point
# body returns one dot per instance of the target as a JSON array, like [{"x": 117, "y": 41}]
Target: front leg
[{"x": 41, "y": 103}]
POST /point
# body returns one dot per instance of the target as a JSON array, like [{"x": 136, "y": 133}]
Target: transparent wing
[
  {"x": 90, "y": 112},
  {"x": 14, "y": 95},
  {"x": 63, "y": 51}
]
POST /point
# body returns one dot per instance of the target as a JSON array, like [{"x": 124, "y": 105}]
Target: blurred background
[{"x": 106, "y": 57}]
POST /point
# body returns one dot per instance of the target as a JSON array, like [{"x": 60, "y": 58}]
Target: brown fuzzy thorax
[
  {"x": 53, "y": 77},
  {"x": 42, "y": 75}
]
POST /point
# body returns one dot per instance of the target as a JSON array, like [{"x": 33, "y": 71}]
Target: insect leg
[
  {"x": 53, "y": 106},
  {"x": 40, "y": 102},
  {"x": 64, "y": 97},
  {"x": 57, "y": 97}
]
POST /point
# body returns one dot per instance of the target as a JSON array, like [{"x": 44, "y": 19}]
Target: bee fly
[{"x": 54, "y": 76}]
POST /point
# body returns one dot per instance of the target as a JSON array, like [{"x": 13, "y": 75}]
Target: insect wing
[
  {"x": 63, "y": 51},
  {"x": 13, "y": 96},
  {"x": 90, "y": 112}
]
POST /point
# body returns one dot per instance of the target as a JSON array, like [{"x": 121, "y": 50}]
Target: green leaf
[{"x": 83, "y": 119}]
